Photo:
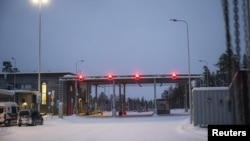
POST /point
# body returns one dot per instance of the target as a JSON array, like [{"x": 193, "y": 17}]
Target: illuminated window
[{"x": 44, "y": 93}]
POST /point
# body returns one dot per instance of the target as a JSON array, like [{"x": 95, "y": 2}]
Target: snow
[
  {"x": 136, "y": 127},
  {"x": 210, "y": 88}
]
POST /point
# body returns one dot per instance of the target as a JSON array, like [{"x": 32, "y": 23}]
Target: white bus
[{"x": 8, "y": 113}]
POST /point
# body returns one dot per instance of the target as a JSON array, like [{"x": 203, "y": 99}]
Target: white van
[{"x": 8, "y": 113}]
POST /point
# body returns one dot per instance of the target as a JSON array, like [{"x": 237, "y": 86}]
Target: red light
[
  {"x": 174, "y": 75},
  {"x": 137, "y": 76},
  {"x": 110, "y": 76},
  {"x": 80, "y": 78}
]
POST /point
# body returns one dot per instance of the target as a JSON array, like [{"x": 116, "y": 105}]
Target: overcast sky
[
  {"x": 118, "y": 36},
  {"x": 112, "y": 36}
]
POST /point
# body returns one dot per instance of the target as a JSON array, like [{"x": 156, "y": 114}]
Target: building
[{"x": 23, "y": 89}]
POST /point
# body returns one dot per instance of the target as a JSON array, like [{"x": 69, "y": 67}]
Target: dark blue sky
[{"x": 112, "y": 36}]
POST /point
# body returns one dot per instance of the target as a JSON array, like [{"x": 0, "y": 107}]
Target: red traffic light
[
  {"x": 80, "y": 77},
  {"x": 137, "y": 76},
  {"x": 110, "y": 77},
  {"x": 174, "y": 75}
]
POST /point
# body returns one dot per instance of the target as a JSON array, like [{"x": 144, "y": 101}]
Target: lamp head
[{"x": 174, "y": 20}]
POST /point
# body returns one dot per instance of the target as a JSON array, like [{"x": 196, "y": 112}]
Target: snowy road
[{"x": 78, "y": 128}]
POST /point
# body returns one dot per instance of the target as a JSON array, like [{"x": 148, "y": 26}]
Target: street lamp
[
  {"x": 76, "y": 90},
  {"x": 207, "y": 70},
  {"x": 189, "y": 79},
  {"x": 39, "y": 50},
  {"x": 14, "y": 87},
  {"x": 14, "y": 70}
]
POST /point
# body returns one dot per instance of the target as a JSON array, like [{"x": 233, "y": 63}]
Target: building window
[
  {"x": 44, "y": 92},
  {"x": 71, "y": 88},
  {"x": 25, "y": 86}
]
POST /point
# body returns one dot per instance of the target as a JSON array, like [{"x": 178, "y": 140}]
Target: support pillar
[
  {"x": 113, "y": 111},
  {"x": 124, "y": 100},
  {"x": 155, "y": 111},
  {"x": 95, "y": 111}
]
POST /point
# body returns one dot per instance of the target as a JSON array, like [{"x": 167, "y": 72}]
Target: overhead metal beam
[{"x": 129, "y": 79}]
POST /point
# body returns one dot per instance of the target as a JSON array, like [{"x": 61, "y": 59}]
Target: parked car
[
  {"x": 8, "y": 113},
  {"x": 29, "y": 117}
]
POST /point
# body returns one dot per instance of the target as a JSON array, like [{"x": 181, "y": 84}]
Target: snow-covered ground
[{"x": 174, "y": 127}]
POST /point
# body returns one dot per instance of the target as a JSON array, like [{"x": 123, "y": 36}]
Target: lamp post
[
  {"x": 189, "y": 79},
  {"x": 39, "y": 50},
  {"x": 76, "y": 90},
  {"x": 207, "y": 70},
  {"x": 14, "y": 87}
]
